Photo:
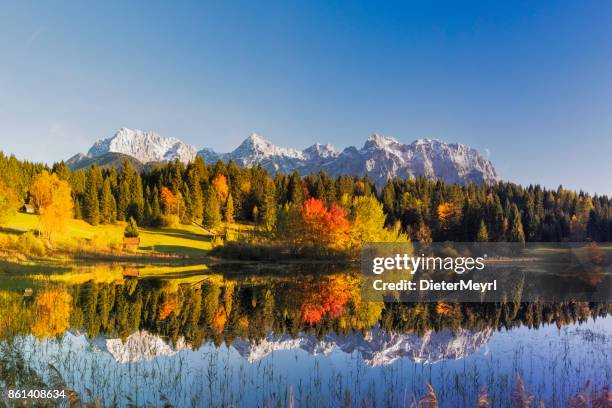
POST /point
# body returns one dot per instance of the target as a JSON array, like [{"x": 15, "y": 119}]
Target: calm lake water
[{"x": 253, "y": 339}]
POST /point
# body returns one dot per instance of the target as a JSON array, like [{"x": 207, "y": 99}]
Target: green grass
[{"x": 186, "y": 240}]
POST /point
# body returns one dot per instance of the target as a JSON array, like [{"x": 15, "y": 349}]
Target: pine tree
[
  {"x": 229, "y": 209},
  {"x": 212, "y": 209},
  {"x": 295, "y": 189},
  {"x": 137, "y": 199},
  {"x": 124, "y": 200},
  {"x": 269, "y": 207},
  {"x": 516, "y": 226},
  {"x": 107, "y": 203},
  {"x": 92, "y": 205},
  {"x": 195, "y": 191},
  {"x": 131, "y": 230},
  {"x": 483, "y": 233},
  {"x": 155, "y": 207}
]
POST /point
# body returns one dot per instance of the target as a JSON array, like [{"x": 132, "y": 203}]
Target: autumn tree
[
  {"x": 221, "y": 187},
  {"x": 368, "y": 220},
  {"x": 54, "y": 201},
  {"x": 169, "y": 201}
]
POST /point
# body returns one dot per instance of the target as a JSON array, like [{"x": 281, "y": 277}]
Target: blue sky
[{"x": 529, "y": 82}]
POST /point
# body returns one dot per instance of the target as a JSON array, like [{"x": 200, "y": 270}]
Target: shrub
[{"x": 30, "y": 245}]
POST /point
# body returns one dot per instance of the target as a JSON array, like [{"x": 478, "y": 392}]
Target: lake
[{"x": 252, "y": 337}]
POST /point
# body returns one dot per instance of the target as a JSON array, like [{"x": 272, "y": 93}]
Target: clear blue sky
[{"x": 529, "y": 82}]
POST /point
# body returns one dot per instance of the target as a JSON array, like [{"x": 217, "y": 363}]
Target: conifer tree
[
  {"x": 137, "y": 199},
  {"x": 195, "y": 192},
  {"x": 212, "y": 209},
  {"x": 107, "y": 203},
  {"x": 131, "y": 230},
  {"x": 229, "y": 209},
  {"x": 295, "y": 189},
  {"x": 516, "y": 226},
  {"x": 124, "y": 200},
  {"x": 483, "y": 233},
  {"x": 155, "y": 207},
  {"x": 92, "y": 205}
]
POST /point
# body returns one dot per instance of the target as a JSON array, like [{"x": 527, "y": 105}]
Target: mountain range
[{"x": 381, "y": 157}]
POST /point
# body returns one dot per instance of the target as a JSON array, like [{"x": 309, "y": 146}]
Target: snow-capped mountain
[
  {"x": 257, "y": 150},
  {"x": 377, "y": 347},
  {"x": 144, "y": 146},
  {"x": 381, "y": 157}
]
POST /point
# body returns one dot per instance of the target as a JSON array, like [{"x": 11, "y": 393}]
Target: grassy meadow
[{"x": 188, "y": 241}]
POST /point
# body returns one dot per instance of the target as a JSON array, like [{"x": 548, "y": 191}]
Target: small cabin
[
  {"x": 131, "y": 243},
  {"x": 130, "y": 273},
  {"x": 28, "y": 209}
]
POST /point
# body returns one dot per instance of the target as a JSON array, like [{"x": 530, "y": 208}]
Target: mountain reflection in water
[{"x": 242, "y": 341}]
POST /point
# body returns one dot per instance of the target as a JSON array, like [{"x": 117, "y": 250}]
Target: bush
[
  {"x": 29, "y": 244},
  {"x": 168, "y": 221}
]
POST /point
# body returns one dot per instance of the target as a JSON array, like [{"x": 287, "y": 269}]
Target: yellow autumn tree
[
  {"x": 52, "y": 197},
  {"x": 51, "y": 315}
]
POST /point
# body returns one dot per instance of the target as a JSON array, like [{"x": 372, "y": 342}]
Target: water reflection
[{"x": 253, "y": 339}]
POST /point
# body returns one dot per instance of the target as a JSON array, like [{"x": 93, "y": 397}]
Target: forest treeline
[{"x": 317, "y": 209}]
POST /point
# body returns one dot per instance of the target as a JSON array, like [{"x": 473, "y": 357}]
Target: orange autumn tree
[
  {"x": 221, "y": 187},
  {"x": 322, "y": 227},
  {"x": 53, "y": 199},
  {"x": 169, "y": 201}
]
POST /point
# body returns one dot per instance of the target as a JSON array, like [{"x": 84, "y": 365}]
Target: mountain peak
[
  {"x": 380, "y": 141},
  {"x": 144, "y": 146}
]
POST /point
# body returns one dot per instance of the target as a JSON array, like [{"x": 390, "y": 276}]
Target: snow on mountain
[
  {"x": 144, "y": 146},
  {"x": 381, "y": 157},
  {"x": 376, "y": 347}
]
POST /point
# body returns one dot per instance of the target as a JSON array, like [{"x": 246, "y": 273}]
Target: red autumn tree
[{"x": 323, "y": 227}]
